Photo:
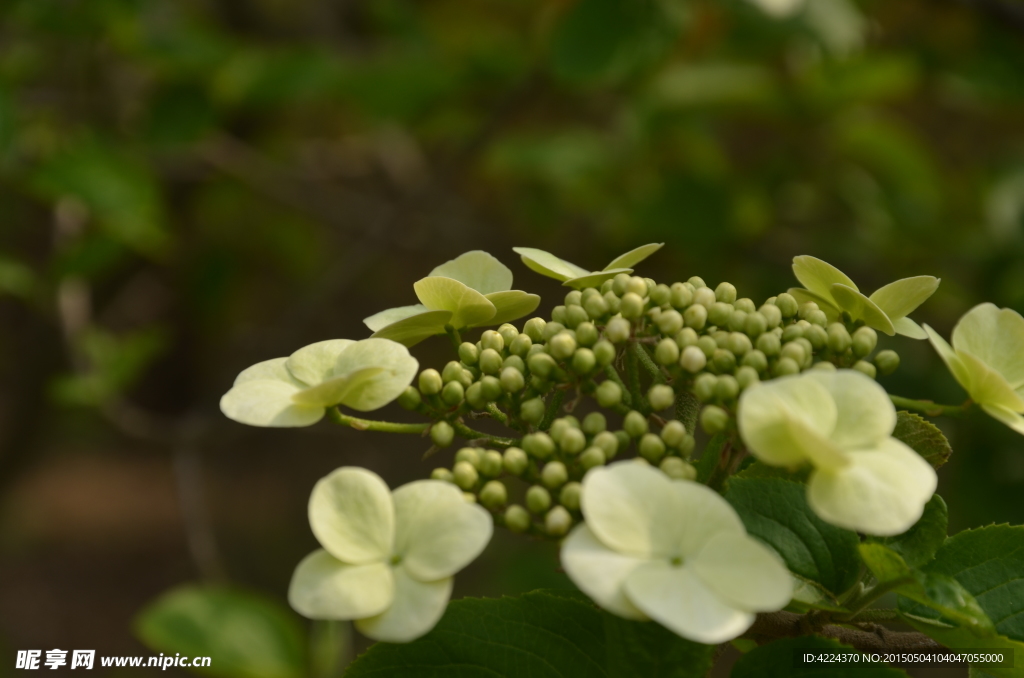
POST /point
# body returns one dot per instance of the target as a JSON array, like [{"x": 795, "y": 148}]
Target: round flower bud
[
  {"x": 572, "y": 441},
  {"x": 431, "y": 382},
  {"x": 619, "y": 283},
  {"x": 704, "y": 296},
  {"x": 696, "y": 316},
  {"x": 591, "y": 457},
  {"x": 442, "y": 474},
  {"x": 558, "y": 315},
  {"x": 739, "y": 343},
  {"x": 532, "y": 411},
  {"x": 661, "y": 397},
  {"x": 757, "y": 360},
  {"x": 490, "y": 388},
  {"x": 490, "y": 360},
  {"x": 583, "y": 361},
  {"x": 714, "y": 419},
  {"x": 794, "y": 331},
  {"x": 682, "y": 296},
  {"x": 686, "y": 337},
  {"x": 596, "y": 307},
  {"x": 557, "y": 522},
  {"x": 493, "y": 494},
  {"x": 613, "y": 302},
  {"x": 755, "y": 325},
  {"x": 666, "y": 352},
  {"x": 587, "y": 334},
  {"x": 635, "y": 424},
  {"x": 468, "y": 353},
  {"x": 452, "y": 372},
  {"x": 746, "y": 377},
  {"x": 824, "y": 365},
  {"x": 469, "y": 454},
  {"x": 514, "y": 461},
  {"x": 453, "y": 393},
  {"x": 594, "y": 423},
  {"x": 517, "y": 519},
  {"x": 539, "y": 445},
  {"x": 465, "y": 475},
  {"x": 887, "y": 361},
  {"x": 677, "y": 469},
  {"x": 604, "y": 352},
  {"x": 817, "y": 318},
  {"x": 562, "y": 345},
  {"x": 475, "y": 396},
  {"x": 551, "y": 329},
  {"x": 721, "y": 338},
  {"x": 673, "y": 434},
  {"x": 693, "y": 359},
  {"x": 512, "y": 380},
  {"x": 723, "y": 360},
  {"x": 492, "y": 340},
  {"x": 787, "y": 305},
  {"x": 538, "y": 499},
  {"x": 725, "y": 292},
  {"x": 442, "y": 434},
  {"x": 609, "y": 394},
  {"x": 661, "y": 295},
  {"x": 769, "y": 344},
  {"x": 574, "y": 315},
  {"x": 521, "y": 345},
  {"x": 623, "y": 439},
  {"x": 652, "y": 447},
  {"x": 508, "y": 333},
  {"x": 719, "y": 313},
  {"x": 696, "y": 281},
  {"x": 864, "y": 341},
  {"x": 569, "y": 497},
  {"x": 771, "y": 314},
  {"x": 574, "y": 298},
  {"x": 727, "y": 387},
  {"x": 817, "y": 336},
  {"x": 865, "y": 367},
  {"x": 534, "y": 328},
  {"x": 839, "y": 339},
  {"x": 794, "y": 351},
  {"x": 737, "y": 320},
  {"x": 514, "y": 361},
  {"x": 632, "y": 306},
  {"x": 541, "y": 364},
  {"x": 745, "y": 304},
  {"x": 806, "y": 309},
  {"x": 708, "y": 345},
  {"x": 410, "y": 398},
  {"x": 491, "y": 463},
  {"x": 608, "y": 442},
  {"x": 554, "y": 474},
  {"x": 670, "y": 322},
  {"x": 785, "y": 367},
  {"x": 635, "y": 285},
  {"x": 704, "y": 387},
  {"x": 688, "y": 445}
]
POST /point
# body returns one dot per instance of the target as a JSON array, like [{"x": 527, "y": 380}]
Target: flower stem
[
  {"x": 930, "y": 408},
  {"x": 633, "y": 379},
  {"x": 481, "y": 437},
  {"x": 337, "y": 417},
  {"x": 860, "y": 604},
  {"x": 879, "y": 615},
  {"x": 454, "y": 336},
  {"x": 554, "y": 405},
  {"x": 648, "y": 363},
  {"x": 612, "y": 374}
]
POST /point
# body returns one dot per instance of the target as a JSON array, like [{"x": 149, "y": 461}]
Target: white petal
[
  {"x": 594, "y": 279},
  {"x": 468, "y": 307},
  {"x": 437, "y": 532},
  {"x": 1005, "y": 415},
  {"x": 337, "y": 390},
  {"x": 379, "y": 321},
  {"x": 633, "y": 509},
  {"x": 818, "y": 276},
  {"x": 861, "y": 307},
  {"x": 512, "y": 305},
  {"x": 417, "y": 608},
  {"x": 882, "y": 492},
  {"x": 478, "y": 270},
  {"x": 265, "y": 402},
  {"x": 826, "y": 304},
  {"x": 323, "y": 587},
  {"x": 908, "y": 328},
  {"x": 704, "y": 514},
  {"x": 548, "y": 264},
  {"x": 634, "y": 256},
  {"x": 273, "y": 370},
  {"x": 996, "y": 337},
  {"x": 352, "y": 515},
  {"x": 314, "y": 364},
  {"x": 949, "y": 356},
  {"x": 744, "y": 573},
  {"x": 900, "y": 298},
  {"x": 600, "y": 572},
  {"x": 988, "y": 386},
  {"x": 381, "y": 389},
  {"x": 676, "y": 598},
  {"x": 864, "y": 413}
]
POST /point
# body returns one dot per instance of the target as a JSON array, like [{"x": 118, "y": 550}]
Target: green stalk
[
  {"x": 612, "y": 374},
  {"x": 485, "y": 438},
  {"x": 454, "y": 336},
  {"x": 337, "y": 417},
  {"x": 633, "y": 381},
  {"x": 930, "y": 408}
]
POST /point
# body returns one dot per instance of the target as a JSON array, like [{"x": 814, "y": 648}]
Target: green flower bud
[
  {"x": 787, "y": 305},
  {"x": 738, "y": 343},
  {"x": 594, "y": 423},
  {"x": 661, "y": 397},
  {"x": 714, "y": 419},
  {"x": 727, "y": 387},
  {"x": 541, "y": 364},
  {"x": 720, "y": 313},
  {"x": 514, "y": 461},
  {"x": 865, "y": 367},
  {"x": 569, "y": 497},
  {"x": 554, "y": 474},
  {"x": 704, "y": 296},
  {"x": 632, "y": 306},
  {"x": 442, "y": 474},
  {"x": 587, "y": 334},
  {"x": 817, "y": 336},
  {"x": 806, "y": 309},
  {"x": 887, "y": 361},
  {"x": 795, "y": 351},
  {"x": 661, "y": 295},
  {"x": 677, "y": 469},
  {"x": 493, "y": 494},
  {"x": 635, "y": 285},
  {"x": 534, "y": 349},
  {"x": 442, "y": 434},
  {"x": 539, "y": 384},
  {"x": 604, "y": 352},
  {"x": 562, "y": 345},
  {"x": 538, "y": 499},
  {"x": 619, "y": 283},
  {"x": 704, "y": 387},
  {"x": 673, "y": 434},
  {"x": 469, "y": 454},
  {"x": 725, "y": 292},
  {"x": 785, "y": 367},
  {"x": 824, "y": 365},
  {"x": 670, "y": 322},
  {"x": 532, "y": 411},
  {"x": 839, "y": 339},
  {"x": 623, "y": 439},
  {"x": 696, "y": 281},
  {"x": 431, "y": 382},
  {"x": 539, "y": 445},
  {"x": 574, "y": 315},
  {"x": 465, "y": 475},
  {"x": 468, "y": 353},
  {"x": 490, "y": 388},
  {"x": 596, "y": 307},
  {"x": 517, "y": 519},
  {"x": 512, "y": 380},
  {"x": 608, "y": 442},
  {"x": 534, "y": 328},
  {"x": 769, "y": 344},
  {"x": 492, "y": 340},
  {"x": 688, "y": 445},
  {"x": 864, "y": 341},
  {"x": 721, "y": 338},
  {"x": 453, "y": 393},
  {"x": 508, "y": 333},
  {"x": 635, "y": 424},
  {"x": 572, "y": 441},
  {"x": 583, "y": 361},
  {"x": 682, "y": 296},
  {"x": 521, "y": 345},
  {"x": 551, "y": 329},
  {"x": 452, "y": 372},
  {"x": 755, "y": 325},
  {"x": 557, "y": 522},
  {"x": 693, "y": 359},
  {"x": 609, "y": 394},
  {"x": 771, "y": 314},
  {"x": 574, "y": 298},
  {"x": 696, "y": 316},
  {"x": 491, "y": 463},
  {"x": 558, "y": 315},
  {"x": 723, "y": 360},
  {"x": 745, "y": 304},
  {"x": 817, "y": 318},
  {"x": 667, "y": 352},
  {"x": 686, "y": 337},
  {"x": 792, "y": 332},
  {"x": 410, "y": 399},
  {"x": 515, "y": 362},
  {"x": 475, "y": 396},
  {"x": 591, "y": 457},
  {"x": 756, "y": 360},
  {"x": 707, "y": 345},
  {"x": 652, "y": 447},
  {"x": 746, "y": 377},
  {"x": 490, "y": 360},
  {"x": 737, "y": 320}
]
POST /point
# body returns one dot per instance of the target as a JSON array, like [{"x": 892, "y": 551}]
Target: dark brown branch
[{"x": 869, "y": 637}]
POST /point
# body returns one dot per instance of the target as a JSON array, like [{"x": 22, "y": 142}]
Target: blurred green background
[{"x": 188, "y": 187}]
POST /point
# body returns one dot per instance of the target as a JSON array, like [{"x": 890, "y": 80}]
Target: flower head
[
  {"x": 297, "y": 390},
  {"x": 673, "y": 551},
  {"x": 885, "y": 310},
  {"x": 471, "y": 290},
  {"x": 987, "y": 358},
  {"x": 388, "y": 557},
  {"x": 574, "y": 276},
  {"x": 841, "y": 423}
]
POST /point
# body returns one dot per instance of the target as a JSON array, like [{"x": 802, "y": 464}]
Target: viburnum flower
[
  {"x": 673, "y": 551},
  {"x": 296, "y": 391},
  {"x": 987, "y": 358},
  {"x": 841, "y": 423},
  {"x": 885, "y": 310},
  {"x": 388, "y": 558},
  {"x": 576, "y": 277},
  {"x": 472, "y": 290}
]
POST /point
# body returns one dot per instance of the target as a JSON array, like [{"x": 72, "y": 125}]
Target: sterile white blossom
[
  {"x": 574, "y": 276},
  {"x": 388, "y": 558},
  {"x": 673, "y": 551}
]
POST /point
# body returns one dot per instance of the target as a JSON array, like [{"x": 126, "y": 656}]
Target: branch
[
  {"x": 870, "y": 637},
  {"x": 930, "y": 408},
  {"x": 474, "y": 436},
  {"x": 337, "y": 417}
]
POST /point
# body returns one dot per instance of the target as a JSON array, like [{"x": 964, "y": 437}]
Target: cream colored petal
[
  {"x": 414, "y": 329},
  {"x": 379, "y": 321},
  {"x": 594, "y": 279},
  {"x": 864, "y": 413},
  {"x": 437, "y": 533},
  {"x": 600, "y": 572},
  {"x": 818, "y": 276},
  {"x": 900, "y": 298},
  {"x": 634, "y": 257},
  {"x": 265, "y": 402},
  {"x": 704, "y": 514},
  {"x": 949, "y": 356},
  {"x": 468, "y": 307},
  {"x": 908, "y": 328},
  {"x": 633, "y": 509},
  {"x": 676, "y": 598},
  {"x": 323, "y": 587},
  {"x": 996, "y": 337},
  {"x": 334, "y": 391},
  {"x": 826, "y": 304},
  {"x": 989, "y": 386},
  {"x": 352, "y": 515},
  {"x": 380, "y": 389},
  {"x": 548, "y": 264},
  {"x": 268, "y": 370},
  {"x": 314, "y": 364},
  {"x": 1007, "y": 416},
  {"x": 861, "y": 308},
  {"x": 512, "y": 305},
  {"x": 744, "y": 573},
  {"x": 779, "y": 420},
  {"x": 478, "y": 270},
  {"x": 882, "y": 492},
  {"x": 417, "y": 608}
]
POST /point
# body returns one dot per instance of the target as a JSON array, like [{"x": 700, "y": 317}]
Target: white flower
[
  {"x": 296, "y": 391},
  {"x": 577, "y": 277},
  {"x": 987, "y": 358},
  {"x": 388, "y": 557},
  {"x": 673, "y": 551},
  {"x": 842, "y": 423}
]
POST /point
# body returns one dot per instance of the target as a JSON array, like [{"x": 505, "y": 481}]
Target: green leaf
[
  {"x": 776, "y": 512},
  {"x": 414, "y": 329},
  {"x": 923, "y": 437},
  {"x": 776, "y": 660},
  {"x": 246, "y": 635},
  {"x": 635, "y": 256},
  {"x": 899, "y": 298},
  {"x": 468, "y": 307},
  {"x": 594, "y": 279},
  {"x": 379, "y": 321},
  {"x": 543, "y": 634},
  {"x": 818, "y": 276},
  {"x": 862, "y": 308},
  {"x": 548, "y": 264},
  {"x": 477, "y": 270},
  {"x": 962, "y": 639},
  {"x": 16, "y": 278},
  {"x": 918, "y": 544},
  {"x": 710, "y": 456}
]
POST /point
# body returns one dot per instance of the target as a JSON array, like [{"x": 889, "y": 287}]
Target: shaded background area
[{"x": 189, "y": 187}]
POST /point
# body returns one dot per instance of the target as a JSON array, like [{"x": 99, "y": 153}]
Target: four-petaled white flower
[
  {"x": 842, "y": 423},
  {"x": 296, "y": 391},
  {"x": 673, "y": 551},
  {"x": 472, "y": 290},
  {"x": 577, "y": 277},
  {"x": 388, "y": 557},
  {"x": 987, "y": 358},
  {"x": 885, "y": 310}
]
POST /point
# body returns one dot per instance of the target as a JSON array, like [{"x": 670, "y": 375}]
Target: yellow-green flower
[{"x": 577, "y": 277}]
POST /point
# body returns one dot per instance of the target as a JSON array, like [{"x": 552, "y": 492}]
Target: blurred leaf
[
  {"x": 179, "y": 114},
  {"x": 114, "y": 363},
  {"x": 16, "y": 278},
  {"x": 923, "y": 437},
  {"x": 711, "y": 84},
  {"x": 918, "y": 544},
  {"x": 271, "y": 78}
]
